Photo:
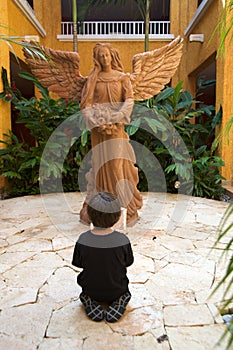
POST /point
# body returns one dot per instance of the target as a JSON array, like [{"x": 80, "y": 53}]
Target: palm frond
[{"x": 34, "y": 49}]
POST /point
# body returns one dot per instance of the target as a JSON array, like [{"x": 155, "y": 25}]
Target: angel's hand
[
  {"x": 94, "y": 118},
  {"x": 109, "y": 129},
  {"x": 124, "y": 113},
  {"x": 117, "y": 117},
  {"x": 89, "y": 117}
]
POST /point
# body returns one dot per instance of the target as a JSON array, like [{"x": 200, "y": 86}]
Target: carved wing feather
[
  {"x": 152, "y": 70},
  {"x": 59, "y": 73}
]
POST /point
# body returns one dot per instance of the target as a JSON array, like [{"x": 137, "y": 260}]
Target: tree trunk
[
  {"x": 75, "y": 31},
  {"x": 147, "y": 24}
]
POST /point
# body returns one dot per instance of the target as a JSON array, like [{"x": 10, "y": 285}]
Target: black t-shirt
[{"x": 104, "y": 259}]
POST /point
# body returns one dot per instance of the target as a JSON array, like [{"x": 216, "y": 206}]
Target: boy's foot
[
  {"x": 117, "y": 308},
  {"x": 92, "y": 308}
]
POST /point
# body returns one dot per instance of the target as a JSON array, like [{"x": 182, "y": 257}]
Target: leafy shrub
[
  {"x": 159, "y": 124},
  {"x": 177, "y": 108},
  {"x": 20, "y": 162}
]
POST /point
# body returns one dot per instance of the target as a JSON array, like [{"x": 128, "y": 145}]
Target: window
[
  {"x": 30, "y": 3},
  {"x": 160, "y": 11}
]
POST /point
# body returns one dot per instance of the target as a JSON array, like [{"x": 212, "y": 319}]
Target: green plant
[
  {"x": 225, "y": 25},
  {"x": 20, "y": 162},
  {"x": 177, "y": 108},
  {"x": 34, "y": 49},
  {"x": 161, "y": 124},
  {"x": 225, "y": 228}
]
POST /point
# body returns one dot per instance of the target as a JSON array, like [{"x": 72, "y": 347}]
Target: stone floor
[{"x": 171, "y": 280}]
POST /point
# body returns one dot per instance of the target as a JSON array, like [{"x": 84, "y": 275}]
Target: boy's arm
[
  {"x": 77, "y": 259},
  {"x": 129, "y": 258}
]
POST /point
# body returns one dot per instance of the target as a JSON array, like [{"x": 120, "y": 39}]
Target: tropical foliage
[
  {"x": 225, "y": 24},
  {"x": 20, "y": 161},
  {"x": 225, "y": 230},
  {"x": 159, "y": 124},
  {"x": 34, "y": 49},
  {"x": 177, "y": 107}
]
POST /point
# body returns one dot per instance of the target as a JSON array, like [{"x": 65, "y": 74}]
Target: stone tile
[
  {"x": 185, "y": 258},
  {"x": 173, "y": 272},
  {"x": 160, "y": 335},
  {"x": 198, "y": 338},
  {"x": 71, "y": 321},
  {"x": 206, "y": 265},
  {"x": 160, "y": 264},
  {"x": 30, "y": 223},
  {"x": 213, "y": 254},
  {"x": 3, "y": 243},
  {"x": 48, "y": 232},
  {"x": 21, "y": 236},
  {"x": 61, "y": 344},
  {"x": 8, "y": 260},
  {"x": 31, "y": 245},
  {"x": 11, "y": 297},
  {"x": 206, "y": 216},
  {"x": 215, "y": 313},
  {"x": 211, "y": 296},
  {"x": 141, "y": 297},
  {"x": 174, "y": 243},
  {"x": 33, "y": 272},
  {"x": 67, "y": 255},
  {"x": 141, "y": 269},
  {"x": 133, "y": 234},
  {"x": 10, "y": 342},
  {"x": 187, "y": 315},
  {"x": 192, "y": 233},
  {"x": 177, "y": 283},
  {"x": 26, "y": 323},
  {"x": 60, "y": 287},
  {"x": 209, "y": 245},
  {"x": 117, "y": 341},
  {"x": 148, "y": 342},
  {"x": 62, "y": 242},
  {"x": 138, "y": 321},
  {"x": 150, "y": 248}
]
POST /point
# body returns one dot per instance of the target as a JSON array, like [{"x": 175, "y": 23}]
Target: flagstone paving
[{"x": 171, "y": 280}]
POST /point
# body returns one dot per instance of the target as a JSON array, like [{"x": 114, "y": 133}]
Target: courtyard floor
[{"x": 171, "y": 280}]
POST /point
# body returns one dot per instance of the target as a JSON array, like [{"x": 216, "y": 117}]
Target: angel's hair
[
  {"x": 88, "y": 90},
  {"x": 104, "y": 210},
  {"x": 115, "y": 63}
]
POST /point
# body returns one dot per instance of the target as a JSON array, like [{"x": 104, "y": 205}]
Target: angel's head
[{"x": 113, "y": 54}]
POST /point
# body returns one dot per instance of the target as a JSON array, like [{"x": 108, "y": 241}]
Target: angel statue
[{"x": 106, "y": 99}]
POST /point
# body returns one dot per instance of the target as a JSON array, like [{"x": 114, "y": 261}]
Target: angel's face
[{"x": 104, "y": 56}]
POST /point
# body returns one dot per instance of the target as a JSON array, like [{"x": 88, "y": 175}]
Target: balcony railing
[{"x": 122, "y": 30}]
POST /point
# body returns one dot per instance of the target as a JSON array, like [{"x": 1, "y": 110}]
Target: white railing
[{"x": 126, "y": 28}]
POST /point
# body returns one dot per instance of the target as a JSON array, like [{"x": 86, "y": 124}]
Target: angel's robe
[{"x": 113, "y": 159}]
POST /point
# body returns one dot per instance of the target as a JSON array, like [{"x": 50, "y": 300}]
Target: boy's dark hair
[{"x": 104, "y": 210}]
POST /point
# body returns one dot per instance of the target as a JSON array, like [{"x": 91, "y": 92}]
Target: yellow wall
[
  {"x": 181, "y": 14},
  {"x": 198, "y": 55},
  {"x": 226, "y": 90},
  {"x": 5, "y": 121},
  {"x": 195, "y": 56},
  {"x": 12, "y": 27}
]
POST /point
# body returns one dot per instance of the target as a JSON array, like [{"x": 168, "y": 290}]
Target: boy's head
[{"x": 104, "y": 210}]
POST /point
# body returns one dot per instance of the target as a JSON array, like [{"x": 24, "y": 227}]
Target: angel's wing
[
  {"x": 59, "y": 72},
  {"x": 153, "y": 69}
]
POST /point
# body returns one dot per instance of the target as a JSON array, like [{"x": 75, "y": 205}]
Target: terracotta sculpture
[{"x": 106, "y": 99}]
